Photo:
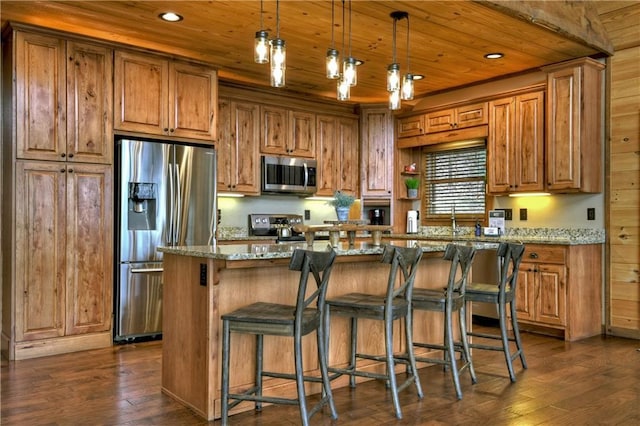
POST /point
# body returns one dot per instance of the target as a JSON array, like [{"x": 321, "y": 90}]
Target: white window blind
[{"x": 455, "y": 179}]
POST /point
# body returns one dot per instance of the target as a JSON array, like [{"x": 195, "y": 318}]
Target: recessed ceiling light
[
  {"x": 418, "y": 76},
  {"x": 494, "y": 55},
  {"x": 170, "y": 17}
]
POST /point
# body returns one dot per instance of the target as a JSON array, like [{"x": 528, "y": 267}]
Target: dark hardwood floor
[{"x": 595, "y": 381}]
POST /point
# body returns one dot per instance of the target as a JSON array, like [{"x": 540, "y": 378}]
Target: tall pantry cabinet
[{"x": 57, "y": 272}]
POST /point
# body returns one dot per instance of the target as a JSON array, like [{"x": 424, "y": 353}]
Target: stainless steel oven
[{"x": 287, "y": 175}]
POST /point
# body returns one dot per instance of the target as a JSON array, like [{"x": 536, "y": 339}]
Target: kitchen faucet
[{"x": 453, "y": 221}]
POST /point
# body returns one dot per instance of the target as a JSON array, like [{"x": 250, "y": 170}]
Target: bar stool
[
  {"x": 389, "y": 307},
  {"x": 448, "y": 301},
  {"x": 284, "y": 320},
  {"x": 501, "y": 294}
]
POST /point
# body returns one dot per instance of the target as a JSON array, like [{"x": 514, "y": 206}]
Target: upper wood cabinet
[
  {"x": 63, "y": 100},
  {"x": 456, "y": 118},
  {"x": 158, "y": 96},
  {"x": 237, "y": 147},
  {"x": 574, "y": 122},
  {"x": 287, "y": 132},
  {"x": 337, "y": 155},
  {"x": 515, "y": 161},
  {"x": 377, "y": 150}
]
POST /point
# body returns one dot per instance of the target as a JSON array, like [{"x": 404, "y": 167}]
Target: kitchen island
[{"x": 202, "y": 283}]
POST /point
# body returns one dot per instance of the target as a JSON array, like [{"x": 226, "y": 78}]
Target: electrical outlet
[
  {"x": 508, "y": 214},
  {"x": 203, "y": 274},
  {"x": 591, "y": 213},
  {"x": 307, "y": 215},
  {"x": 523, "y": 214}
]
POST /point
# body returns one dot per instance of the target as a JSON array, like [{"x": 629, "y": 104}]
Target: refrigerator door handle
[
  {"x": 178, "y": 224},
  {"x": 171, "y": 197},
  {"x": 145, "y": 270}
]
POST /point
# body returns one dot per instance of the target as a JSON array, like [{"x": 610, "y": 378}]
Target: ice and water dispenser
[{"x": 142, "y": 206}]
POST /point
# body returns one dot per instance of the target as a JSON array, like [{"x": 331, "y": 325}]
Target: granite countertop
[
  {"x": 562, "y": 236},
  {"x": 279, "y": 251}
]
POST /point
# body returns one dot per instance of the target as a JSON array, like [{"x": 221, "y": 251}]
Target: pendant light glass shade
[
  {"x": 333, "y": 64},
  {"x": 278, "y": 62},
  {"x": 407, "y": 87},
  {"x": 261, "y": 47},
  {"x": 349, "y": 71},
  {"x": 393, "y": 77},
  {"x": 343, "y": 90},
  {"x": 394, "y": 100}
]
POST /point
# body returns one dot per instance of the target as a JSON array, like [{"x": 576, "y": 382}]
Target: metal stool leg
[
  {"x": 451, "y": 351},
  {"x": 516, "y": 333},
  {"x": 412, "y": 357},
  {"x": 322, "y": 359},
  {"x": 388, "y": 343},
  {"x": 302, "y": 398},
  {"x": 354, "y": 345},
  {"x": 465, "y": 343},
  {"x": 225, "y": 373},
  {"x": 259, "y": 352},
  {"x": 505, "y": 341}
]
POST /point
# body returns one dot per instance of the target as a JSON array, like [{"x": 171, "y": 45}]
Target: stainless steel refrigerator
[{"x": 166, "y": 196}]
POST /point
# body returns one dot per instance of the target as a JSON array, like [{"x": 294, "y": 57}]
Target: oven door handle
[{"x": 145, "y": 270}]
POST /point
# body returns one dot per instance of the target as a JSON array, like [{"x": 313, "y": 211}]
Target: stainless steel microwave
[{"x": 288, "y": 175}]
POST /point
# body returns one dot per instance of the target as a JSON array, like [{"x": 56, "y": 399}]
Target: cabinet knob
[
  {"x": 70, "y": 155},
  {"x": 63, "y": 155},
  {"x": 166, "y": 129},
  {"x": 70, "y": 170},
  {"x": 62, "y": 170},
  {"x": 533, "y": 255},
  {"x": 171, "y": 130}
]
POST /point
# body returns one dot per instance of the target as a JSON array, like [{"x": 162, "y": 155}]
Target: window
[{"x": 455, "y": 180}]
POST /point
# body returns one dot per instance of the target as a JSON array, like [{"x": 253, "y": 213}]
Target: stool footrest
[{"x": 291, "y": 376}]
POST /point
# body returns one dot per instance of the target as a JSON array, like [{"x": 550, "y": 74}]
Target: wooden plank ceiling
[{"x": 447, "y": 39}]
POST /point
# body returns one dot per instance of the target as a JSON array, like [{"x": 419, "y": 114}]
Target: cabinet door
[
  {"x": 41, "y": 132},
  {"x": 440, "y": 120},
  {"x": 40, "y": 250},
  {"x": 563, "y": 129},
  {"x": 411, "y": 126},
  {"x": 327, "y": 155},
  {"x": 551, "y": 294},
  {"x": 348, "y": 155},
  {"x": 471, "y": 115},
  {"x": 529, "y": 142},
  {"x": 141, "y": 93},
  {"x": 273, "y": 130},
  {"x": 192, "y": 101},
  {"x": 89, "y": 103},
  {"x": 224, "y": 144},
  {"x": 302, "y": 134},
  {"x": 500, "y": 146},
  {"x": 525, "y": 292},
  {"x": 89, "y": 248},
  {"x": 377, "y": 153},
  {"x": 237, "y": 147}
]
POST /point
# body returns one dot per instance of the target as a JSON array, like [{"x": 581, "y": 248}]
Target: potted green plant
[
  {"x": 412, "y": 184},
  {"x": 342, "y": 203}
]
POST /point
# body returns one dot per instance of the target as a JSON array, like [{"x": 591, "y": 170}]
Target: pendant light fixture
[
  {"x": 278, "y": 54},
  {"x": 349, "y": 72},
  {"x": 407, "y": 79},
  {"x": 261, "y": 43},
  {"x": 332, "y": 60},
  {"x": 343, "y": 88},
  {"x": 393, "y": 70}
]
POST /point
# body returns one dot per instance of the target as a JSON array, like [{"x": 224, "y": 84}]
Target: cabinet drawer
[{"x": 540, "y": 253}]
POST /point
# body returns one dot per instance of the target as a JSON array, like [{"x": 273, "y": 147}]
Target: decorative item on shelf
[
  {"x": 342, "y": 203},
  {"x": 412, "y": 184},
  {"x": 411, "y": 168}
]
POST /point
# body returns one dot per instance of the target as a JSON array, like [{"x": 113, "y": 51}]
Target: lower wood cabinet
[
  {"x": 559, "y": 287},
  {"x": 62, "y": 260}
]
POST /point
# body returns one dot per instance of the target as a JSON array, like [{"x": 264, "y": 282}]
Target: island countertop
[{"x": 279, "y": 251}]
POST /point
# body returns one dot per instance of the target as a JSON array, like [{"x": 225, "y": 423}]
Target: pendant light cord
[
  {"x": 349, "y": 28},
  {"x": 395, "y": 20},
  {"x": 277, "y": 18},
  {"x": 261, "y": 13},
  {"x": 333, "y": 44},
  {"x": 408, "y": 67}
]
